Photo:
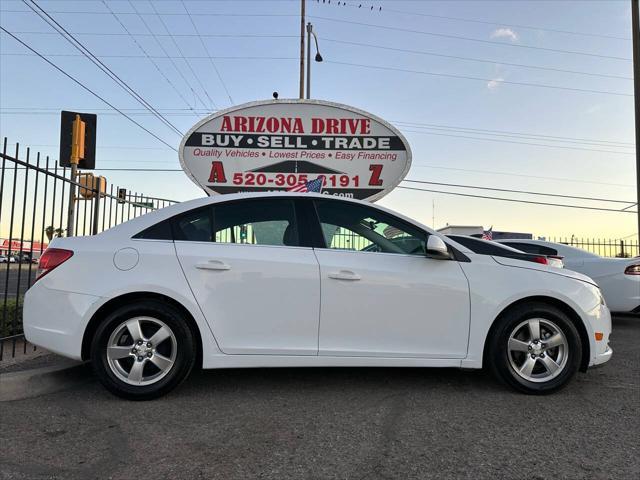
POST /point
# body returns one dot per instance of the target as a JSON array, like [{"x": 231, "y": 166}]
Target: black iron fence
[
  {"x": 620, "y": 248},
  {"x": 34, "y": 201}
]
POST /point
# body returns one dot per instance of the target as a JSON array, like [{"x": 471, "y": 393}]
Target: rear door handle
[
  {"x": 213, "y": 265},
  {"x": 344, "y": 275}
]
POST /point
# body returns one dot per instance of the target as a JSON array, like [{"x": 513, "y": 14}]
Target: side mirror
[{"x": 436, "y": 248}]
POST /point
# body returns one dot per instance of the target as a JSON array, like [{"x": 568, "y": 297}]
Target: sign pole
[
  {"x": 635, "y": 35},
  {"x": 77, "y": 152},
  {"x": 302, "y": 6},
  {"x": 96, "y": 207}
]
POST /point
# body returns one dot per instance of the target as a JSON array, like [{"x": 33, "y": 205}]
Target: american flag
[
  {"x": 311, "y": 186},
  {"x": 488, "y": 234}
]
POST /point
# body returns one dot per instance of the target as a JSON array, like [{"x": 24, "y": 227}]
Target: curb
[{"x": 41, "y": 381}]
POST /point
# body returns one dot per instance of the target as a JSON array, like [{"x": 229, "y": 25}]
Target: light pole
[{"x": 318, "y": 56}]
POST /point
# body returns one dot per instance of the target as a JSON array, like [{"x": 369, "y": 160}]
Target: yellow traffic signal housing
[
  {"x": 91, "y": 185},
  {"x": 77, "y": 140}
]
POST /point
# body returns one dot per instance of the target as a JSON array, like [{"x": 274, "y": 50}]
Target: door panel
[
  {"x": 258, "y": 299},
  {"x": 392, "y": 305}
]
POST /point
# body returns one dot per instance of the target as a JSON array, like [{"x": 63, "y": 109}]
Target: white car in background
[
  {"x": 618, "y": 278},
  {"x": 292, "y": 280}
]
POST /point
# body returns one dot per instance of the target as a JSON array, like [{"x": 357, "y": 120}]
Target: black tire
[
  {"x": 503, "y": 363},
  {"x": 183, "y": 342}
]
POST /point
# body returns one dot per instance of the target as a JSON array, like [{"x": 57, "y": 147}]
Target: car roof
[{"x": 136, "y": 225}]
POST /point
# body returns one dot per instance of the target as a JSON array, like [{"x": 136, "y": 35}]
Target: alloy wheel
[
  {"x": 141, "y": 350},
  {"x": 538, "y": 350}
]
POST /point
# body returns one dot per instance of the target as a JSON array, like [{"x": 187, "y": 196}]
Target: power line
[
  {"x": 475, "y": 59},
  {"x": 195, "y": 57},
  {"x": 516, "y": 200},
  {"x": 197, "y": 77},
  {"x": 410, "y": 124},
  {"x": 533, "y": 144},
  {"x": 146, "y": 54},
  {"x": 468, "y": 77},
  {"x": 587, "y": 141},
  {"x": 171, "y": 14},
  {"x": 486, "y": 22},
  {"x": 206, "y": 51},
  {"x": 491, "y": 172},
  {"x": 177, "y": 35},
  {"x": 509, "y": 24},
  {"x": 96, "y": 61},
  {"x": 526, "y": 192},
  {"x": 471, "y": 39},
  {"x": 87, "y": 89},
  {"x": 154, "y": 35}
]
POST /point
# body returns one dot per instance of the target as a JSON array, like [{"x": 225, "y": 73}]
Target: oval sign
[{"x": 295, "y": 145}]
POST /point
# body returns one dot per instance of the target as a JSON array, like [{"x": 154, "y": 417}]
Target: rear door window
[{"x": 257, "y": 222}]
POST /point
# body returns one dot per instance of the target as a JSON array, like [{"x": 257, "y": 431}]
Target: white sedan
[
  {"x": 619, "y": 278},
  {"x": 301, "y": 280}
]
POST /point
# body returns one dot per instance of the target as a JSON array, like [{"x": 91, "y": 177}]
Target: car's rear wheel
[
  {"x": 143, "y": 350},
  {"x": 535, "y": 348}
]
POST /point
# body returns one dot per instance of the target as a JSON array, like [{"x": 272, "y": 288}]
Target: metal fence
[
  {"x": 619, "y": 248},
  {"x": 34, "y": 200}
]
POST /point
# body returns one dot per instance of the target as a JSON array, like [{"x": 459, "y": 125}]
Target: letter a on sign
[{"x": 217, "y": 173}]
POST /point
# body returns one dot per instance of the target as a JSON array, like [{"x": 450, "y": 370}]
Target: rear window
[
  {"x": 482, "y": 247},
  {"x": 159, "y": 231}
]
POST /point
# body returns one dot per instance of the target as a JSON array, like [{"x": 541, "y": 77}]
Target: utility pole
[
  {"x": 635, "y": 37},
  {"x": 302, "y": 5}
]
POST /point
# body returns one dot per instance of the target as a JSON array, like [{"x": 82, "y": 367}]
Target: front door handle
[
  {"x": 213, "y": 265},
  {"x": 344, "y": 275}
]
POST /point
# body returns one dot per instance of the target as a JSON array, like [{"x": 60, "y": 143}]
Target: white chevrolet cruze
[{"x": 302, "y": 280}]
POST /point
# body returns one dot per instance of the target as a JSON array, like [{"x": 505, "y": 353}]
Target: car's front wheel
[
  {"x": 143, "y": 350},
  {"x": 535, "y": 348}
]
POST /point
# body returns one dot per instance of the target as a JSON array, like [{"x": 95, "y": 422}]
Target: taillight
[
  {"x": 542, "y": 260},
  {"x": 632, "y": 270},
  {"x": 52, "y": 258}
]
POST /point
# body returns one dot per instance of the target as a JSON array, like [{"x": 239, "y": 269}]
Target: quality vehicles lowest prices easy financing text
[{"x": 301, "y": 280}]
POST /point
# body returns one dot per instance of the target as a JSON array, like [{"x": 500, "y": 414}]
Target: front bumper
[
  {"x": 600, "y": 323},
  {"x": 603, "y": 357}
]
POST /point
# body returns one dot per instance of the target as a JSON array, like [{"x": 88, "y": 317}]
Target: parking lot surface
[{"x": 337, "y": 423}]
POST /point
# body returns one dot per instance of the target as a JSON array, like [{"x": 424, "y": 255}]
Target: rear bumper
[{"x": 56, "y": 320}]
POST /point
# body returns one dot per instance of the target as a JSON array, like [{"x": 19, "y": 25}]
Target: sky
[{"x": 527, "y": 95}]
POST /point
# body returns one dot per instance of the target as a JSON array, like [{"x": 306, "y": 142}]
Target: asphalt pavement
[
  {"x": 15, "y": 278},
  {"x": 351, "y": 423}
]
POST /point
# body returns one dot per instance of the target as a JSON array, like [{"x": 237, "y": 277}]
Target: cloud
[
  {"x": 593, "y": 109},
  {"x": 494, "y": 83},
  {"x": 505, "y": 33}
]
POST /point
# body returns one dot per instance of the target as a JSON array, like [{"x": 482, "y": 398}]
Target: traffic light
[
  {"x": 122, "y": 195},
  {"x": 92, "y": 185},
  {"x": 78, "y": 139}
]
